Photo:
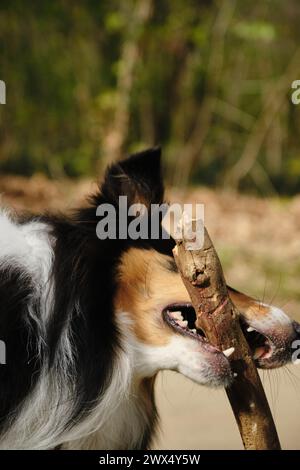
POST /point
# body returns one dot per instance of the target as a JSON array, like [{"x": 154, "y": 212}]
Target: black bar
[{"x": 138, "y": 459}]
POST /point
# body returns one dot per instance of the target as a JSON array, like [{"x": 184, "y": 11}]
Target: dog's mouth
[
  {"x": 267, "y": 350},
  {"x": 261, "y": 345},
  {"x": 182, "y": 317}
]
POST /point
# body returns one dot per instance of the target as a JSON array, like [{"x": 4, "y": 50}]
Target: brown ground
[{"x": 259, "y": 245}]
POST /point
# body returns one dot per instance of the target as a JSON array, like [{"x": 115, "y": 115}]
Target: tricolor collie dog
[{"x": 87, "y": 324}]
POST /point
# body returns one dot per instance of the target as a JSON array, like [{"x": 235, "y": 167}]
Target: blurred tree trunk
[
  {"x": 190, "y": 153},
  {"x": 116, "y": 136},
  {"x": 274, "y": 100}
]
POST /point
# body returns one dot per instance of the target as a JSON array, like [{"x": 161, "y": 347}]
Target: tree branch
[{"x": 203, "y": 278}]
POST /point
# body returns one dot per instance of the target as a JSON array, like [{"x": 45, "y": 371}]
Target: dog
[{"x": 88, "y": 324}]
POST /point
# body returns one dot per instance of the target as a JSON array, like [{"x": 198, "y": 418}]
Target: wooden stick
[{"x": 203, "y": 278}]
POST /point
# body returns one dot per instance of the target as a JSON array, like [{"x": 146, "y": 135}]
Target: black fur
[
  {"x": 84, "y": 279},
  {"x": 18, "y": 331},
  {"x": 84, "y": 272}
]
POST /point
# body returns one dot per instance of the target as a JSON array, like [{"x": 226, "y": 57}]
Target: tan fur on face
[
  {"x": 145, "y": 287},
  {"x": 250, "y": 308}
]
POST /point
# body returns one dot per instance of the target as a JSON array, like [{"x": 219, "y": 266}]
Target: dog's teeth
[
  {"x": 228, "y": 352},
  {"x": 183, "y": 324},
  {"x": 259, "y": 352},
  {"x": 249, "y": 329},
  {"x": 176, "y": 315},
  {"x": 235, "y": 374},
  {"x": 194, "y": 330}
]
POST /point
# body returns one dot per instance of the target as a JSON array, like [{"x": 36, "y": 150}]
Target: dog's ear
[{"x": 139, "y": 177}]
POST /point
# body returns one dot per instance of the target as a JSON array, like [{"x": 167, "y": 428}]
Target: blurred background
[{"x": 211, "y": 81}]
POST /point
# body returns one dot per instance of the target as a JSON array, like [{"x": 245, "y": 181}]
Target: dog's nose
[{"x": 296, "y": 326}]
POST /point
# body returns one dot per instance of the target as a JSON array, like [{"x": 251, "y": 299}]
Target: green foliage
[
  {"x": 192, "y": 76},
  {"x": 255, "y": 31}
]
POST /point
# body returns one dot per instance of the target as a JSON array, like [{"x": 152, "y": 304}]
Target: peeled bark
[{"x": 203, "y": 278}]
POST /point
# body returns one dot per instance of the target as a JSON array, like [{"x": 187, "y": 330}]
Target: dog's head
[{"x": 152, "y": 303}]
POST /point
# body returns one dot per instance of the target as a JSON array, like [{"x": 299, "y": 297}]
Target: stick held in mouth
[{"x": 202, "y": 274}]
